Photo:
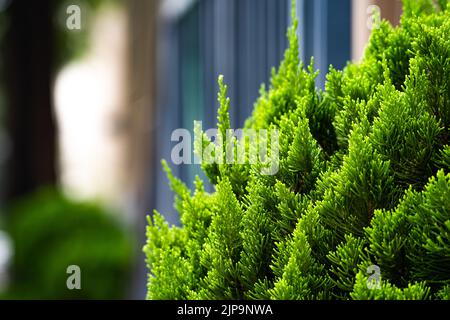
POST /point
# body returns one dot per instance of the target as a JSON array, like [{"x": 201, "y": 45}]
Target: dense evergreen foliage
[{"x": 364, "y": 180}]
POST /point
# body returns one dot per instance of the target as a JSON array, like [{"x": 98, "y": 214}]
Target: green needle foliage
[{"x": 363, "y": 182}]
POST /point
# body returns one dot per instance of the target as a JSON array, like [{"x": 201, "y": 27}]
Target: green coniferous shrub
[{"x": 363, "y": 183}]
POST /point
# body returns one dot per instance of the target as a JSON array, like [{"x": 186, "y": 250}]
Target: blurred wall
[
  {"x": 361, "y": 14},
  {"x": 141, "y": 97},
  {"x": 91, "y": 108}
]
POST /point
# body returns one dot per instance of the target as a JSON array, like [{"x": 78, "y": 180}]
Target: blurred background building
[{"x": 91, "y": 111}]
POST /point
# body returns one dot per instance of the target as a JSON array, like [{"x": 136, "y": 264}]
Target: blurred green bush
[{"x": 50, "y": 233}]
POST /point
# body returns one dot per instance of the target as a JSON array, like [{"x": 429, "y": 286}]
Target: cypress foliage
[{"x": 363, "y": 182}]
